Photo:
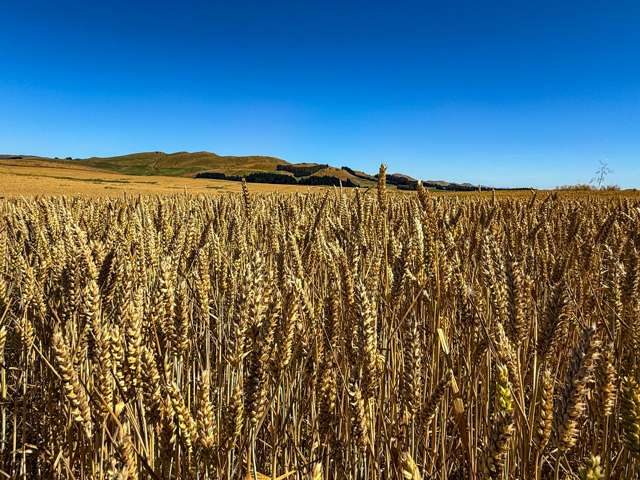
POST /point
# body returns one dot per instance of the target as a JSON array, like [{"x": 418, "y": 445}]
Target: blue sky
[{"x": 501, "y": 93}]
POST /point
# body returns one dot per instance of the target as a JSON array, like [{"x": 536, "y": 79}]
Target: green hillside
[{"x": 184, "y": 163}]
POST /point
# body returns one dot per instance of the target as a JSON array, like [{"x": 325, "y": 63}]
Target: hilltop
[{"x": 254, "y": 168}]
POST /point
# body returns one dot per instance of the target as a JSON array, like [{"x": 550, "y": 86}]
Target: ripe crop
[{"x": 326, "y": 335}]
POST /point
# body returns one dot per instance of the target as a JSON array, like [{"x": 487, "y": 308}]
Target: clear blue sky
[{"x": 502, "y": 93}]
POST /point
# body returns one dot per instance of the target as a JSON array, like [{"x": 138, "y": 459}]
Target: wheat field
[{"x": 324, "y": 335}]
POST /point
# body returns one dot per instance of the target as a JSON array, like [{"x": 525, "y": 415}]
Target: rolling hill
[
  {"x": 253, "y": 168},
  {"x": 184, "y": 163}
]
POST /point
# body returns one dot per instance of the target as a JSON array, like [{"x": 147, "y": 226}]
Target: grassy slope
[
  {"x": 184, "y": 163},
  {"x": 343, "y": 175}
]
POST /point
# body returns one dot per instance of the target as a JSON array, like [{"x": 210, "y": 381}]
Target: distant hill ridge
[{"x": 253, "y": 168}]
